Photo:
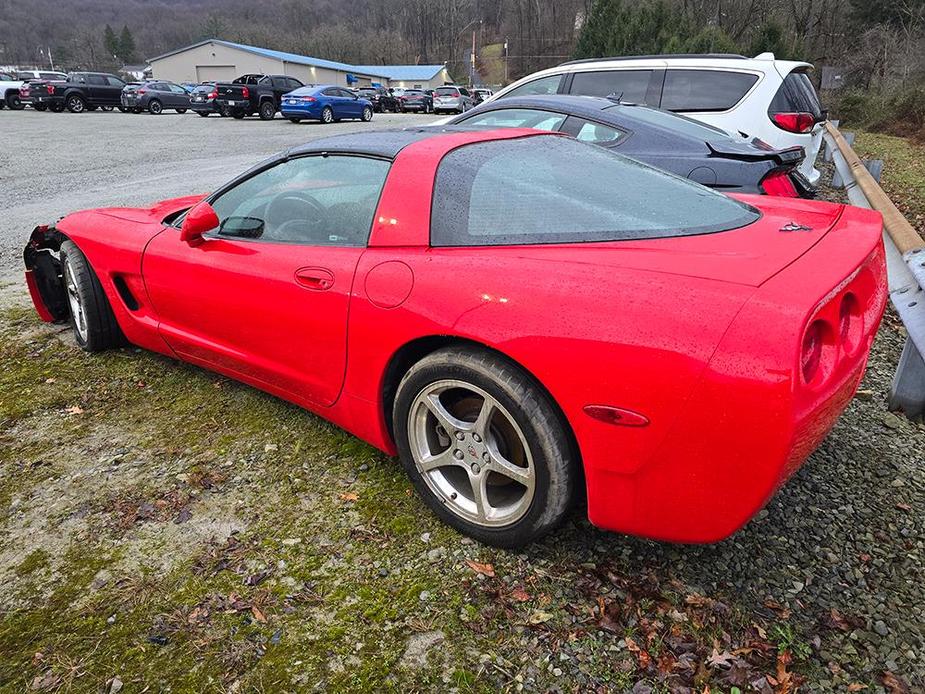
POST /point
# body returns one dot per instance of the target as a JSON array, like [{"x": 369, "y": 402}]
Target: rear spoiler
[{"x": 755, "y": 150}]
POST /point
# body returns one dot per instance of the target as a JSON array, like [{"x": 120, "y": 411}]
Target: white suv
[{"x": 758, "y": 97}]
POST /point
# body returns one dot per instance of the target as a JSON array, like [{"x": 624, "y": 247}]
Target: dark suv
[
  {"x": 380, "y": 98},
  {"x": 154, "y": 96}
]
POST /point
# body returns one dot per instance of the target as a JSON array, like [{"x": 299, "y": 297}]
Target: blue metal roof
[
  {"x": 403, "y": 72},
  {"x": 392, "y": 72}
]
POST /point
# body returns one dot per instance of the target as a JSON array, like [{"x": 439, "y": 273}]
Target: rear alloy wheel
[
  {"x": 155, "y": 107},
  {"x": 367, "y": 114},
  {"x": 14, "y": 103},
  {"x": 327, "y": 115},
  {"x": 485, "y": 446},
  {"x": 94, "y": 324},
  {"x": 267, "y": 110},
  {"x": 76, "y": 104}
]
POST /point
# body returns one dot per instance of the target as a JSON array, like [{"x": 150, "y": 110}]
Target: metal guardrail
[{"x": 905, "y": 252}]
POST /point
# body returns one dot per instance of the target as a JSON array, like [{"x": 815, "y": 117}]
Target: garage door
[{"x": 216, "y": 73}]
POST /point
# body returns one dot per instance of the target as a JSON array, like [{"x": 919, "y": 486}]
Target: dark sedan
[
  {"x": 666, "y": 140},
  {"x": 155, "y": 96},
  {"x": 202, "y": 99}
]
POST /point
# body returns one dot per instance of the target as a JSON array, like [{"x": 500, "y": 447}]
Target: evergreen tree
[
  {"x": 126, "y": 45},
  {"x": 111, "y": 41}
]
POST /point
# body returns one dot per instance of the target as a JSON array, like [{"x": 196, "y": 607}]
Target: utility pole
[
  {"x": 472, "y": 62},
  {"x": 505, "y": 61}
]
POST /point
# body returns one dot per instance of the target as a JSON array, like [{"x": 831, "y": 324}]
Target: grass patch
[{"x": 903, "y": 172}]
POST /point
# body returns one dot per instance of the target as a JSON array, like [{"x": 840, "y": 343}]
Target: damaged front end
[{"x": 44, "y": 275}]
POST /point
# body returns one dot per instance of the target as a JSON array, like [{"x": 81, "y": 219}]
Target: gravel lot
[{"x": 164, "y": 527}]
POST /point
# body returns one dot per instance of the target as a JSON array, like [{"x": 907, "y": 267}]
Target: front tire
[
  {"x": 367, "y": 114},
  {"x": 485, "y": 446},
  {"x": 204, "y": 114},
  {"x": 155, "y": 107},
  {"x": 92, "y": 319},
  {"x": 76, "y": 104},
  {"x": 295, "y": 120},
  {"x": 327, "y": 115},
  {"x": 14, "y": 103}
]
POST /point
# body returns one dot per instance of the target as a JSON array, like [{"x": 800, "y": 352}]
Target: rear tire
[
  {"x": 76, "y": 104},
  {"x": 367, "y": 114},
  {"x": 155, "y": 107},
  {"x": 14, "y": 103},
  {"x": 237, "y": 115},
  {"x": 295, "y": 120},
  {"x": 327, "y": 115},
  {"x": 94, "y": 324},
  {"x": 267, "y": 110},
  {"x": 512, "y": 444}
]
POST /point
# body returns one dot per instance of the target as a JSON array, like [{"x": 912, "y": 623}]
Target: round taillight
[
  {"x": 849, "y": 322},
  {"x": 811, "y": 353}
]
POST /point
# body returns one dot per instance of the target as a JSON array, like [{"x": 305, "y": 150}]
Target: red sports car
[{"x": 513, "y": 313}]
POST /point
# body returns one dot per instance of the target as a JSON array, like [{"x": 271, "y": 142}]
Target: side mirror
[{"x": 198, "y": 221}]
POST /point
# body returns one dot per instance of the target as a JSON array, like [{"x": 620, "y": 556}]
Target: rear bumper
[
  {"x": 312, "y": 111},
  {"x": 205, "y": 106},
  {"x": 750, "y": 422},
  {"x": 47, "y": 100}
]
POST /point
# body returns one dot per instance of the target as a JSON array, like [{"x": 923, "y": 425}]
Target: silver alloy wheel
[
  {"x": 73, "y": 298},
  {"x": 76, "y": 104},
  {"x": 327, "y": 115},
  {"x": 471, "y": 453}
]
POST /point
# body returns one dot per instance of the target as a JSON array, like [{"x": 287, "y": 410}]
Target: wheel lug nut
[
  {"x": 476, "y": 438},
  {"x": 458, "y": 455},
  {"x": 486, "y": 457},
  {"x": 460, "y": 436}
]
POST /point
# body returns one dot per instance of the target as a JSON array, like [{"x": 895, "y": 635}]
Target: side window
[
  {"x": 115, "y": 82},
  {"x": 544, "y": 85},
  {"x": 630, "y": 85},
  {"x": 595, "y": 133},
  {"x": 314, "y": 200},
  {"x": 96, "y": 80},
  {"x": 280, "y": 83},
  {"x": 705, "y": 90},
  {"x": 177, "y": 89},
  {"x": 80, "y": 79},
  {"x": 294, "y": 84},
  {"x": 464, "y": 92},
  {"x": 331, "y": 91},
  {"x": 518, "y": 118}
]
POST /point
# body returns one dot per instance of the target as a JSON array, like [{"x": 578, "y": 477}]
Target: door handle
[{"x": 317, "y": 278}]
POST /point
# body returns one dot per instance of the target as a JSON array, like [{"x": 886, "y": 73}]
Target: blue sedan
[{"x": 327, "y": 103}]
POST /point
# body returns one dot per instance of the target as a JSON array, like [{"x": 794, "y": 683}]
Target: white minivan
[{"x": 761, "y": 97}]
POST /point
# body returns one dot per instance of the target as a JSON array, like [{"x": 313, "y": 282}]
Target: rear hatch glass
[
  {"x": 443, "y": 91},
  {"x": 796, "y": 95}
]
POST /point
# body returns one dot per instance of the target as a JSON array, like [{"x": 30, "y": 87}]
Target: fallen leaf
[
  {"x": 520, "y": 595},
  {"x": 784, "y": 679},
  {"x": 74, "y": 409},
  {"x": 257, "y": 578},
  {"x": 479, "y": 568},
  {"x": 46, "y": 681},
  {"x": 856, "y": 687},
  {"x": 539, "y": 617},
  {"x": 836, "y": 620},
  {"x": 349, "y": 496},
  {"x": 697, "y": 600},
  {"x": 258, "y": 615},
  {"x": 722, "y": 660},
  {"x": 903, "y": 507},
  {"x": 893, "y": 684},
  {"x": 782, "y": 612}
]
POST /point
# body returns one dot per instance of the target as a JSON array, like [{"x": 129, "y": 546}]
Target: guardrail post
[{"x": 908, "y": 382}]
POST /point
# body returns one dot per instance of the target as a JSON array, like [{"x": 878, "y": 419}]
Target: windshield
[{"x": 552, "y": 189}]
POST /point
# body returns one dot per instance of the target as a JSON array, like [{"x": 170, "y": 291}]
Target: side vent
[{"x": 127, "y": 297}]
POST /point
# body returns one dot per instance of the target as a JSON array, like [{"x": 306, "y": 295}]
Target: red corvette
[{"x": 514, "y": 313}]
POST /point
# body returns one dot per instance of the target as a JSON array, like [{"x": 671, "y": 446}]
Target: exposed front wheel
[
  {"x": 76, "y": 104},
  {"x": 485, "y": 446},
  {"x": 327, "y": 115},
  {"x": 155, "y": 108},
  {"x": 267, "y": 110},
  {"x": 94, "y": 324},
  {"x": 367, "y": 114}
]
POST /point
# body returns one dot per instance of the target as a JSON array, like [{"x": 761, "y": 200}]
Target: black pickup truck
[
  {"x": 83, "y": 91},
  {"x": 250, "y": 94}
]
